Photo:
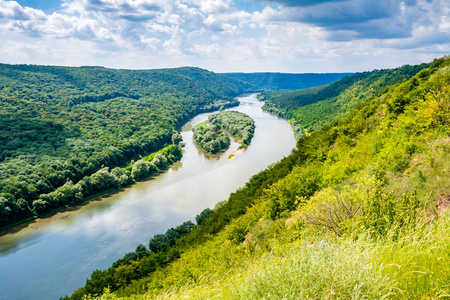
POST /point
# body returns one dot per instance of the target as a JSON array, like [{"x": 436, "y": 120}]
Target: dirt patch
[{"x": 444, "y": 203}]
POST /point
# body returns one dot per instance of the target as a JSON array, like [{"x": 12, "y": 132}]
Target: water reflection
[{"x": 50, "y": 257}]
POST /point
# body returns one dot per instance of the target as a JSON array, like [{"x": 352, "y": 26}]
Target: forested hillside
[
  {"x": 218, "y": 84},
  {"x": 358, "y": 211},
  {"x": 59, "y": 125},
  {"x": 286, "y": 81},
  {"x": 316, "y": 107}
]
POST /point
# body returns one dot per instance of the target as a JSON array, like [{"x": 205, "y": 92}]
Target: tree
[
  {"x": 141, "y": 251},
  {"x": 203, "y": 215},
  {"x": 155, "y": 244},
  {"x": 39, "y": 205}
]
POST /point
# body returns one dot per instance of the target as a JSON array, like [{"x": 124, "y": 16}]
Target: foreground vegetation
[
  {"x": 64, "y": 132},
  {"x": 358, "y": 211},
  {"x": 212, "y": 135}
]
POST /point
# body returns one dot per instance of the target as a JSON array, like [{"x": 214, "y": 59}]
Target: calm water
[{"x": 51, "y": 257}]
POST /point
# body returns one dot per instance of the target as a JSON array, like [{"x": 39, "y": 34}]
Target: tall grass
[
  {"x": 322, "y": 270},
  {"x": 408, "y": 263},
  {"x": 419, "y": 260}
]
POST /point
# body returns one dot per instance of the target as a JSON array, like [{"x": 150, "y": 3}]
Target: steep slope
[
  {"x": 358, "y": 211},
  {"x": 286, "y": 81},
  {"x": 60, "y": 124},
  {"x": 316, "y": 107}
]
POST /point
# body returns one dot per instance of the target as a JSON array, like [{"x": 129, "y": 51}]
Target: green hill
[
  {"x": 286, "y": 81},
  {"x": 218, "y": 84},
  {"x": 358, "y": 211},
  {"x": 316, "y": 107},
  {"x": 60, "y": 127}
]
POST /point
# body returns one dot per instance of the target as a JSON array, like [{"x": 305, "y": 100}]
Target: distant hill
[
  {"x": 286, "y": 81},
  {"x": 316, "y": 107},
  {"x": 218, "y": 84},
  {"x": 62, "y": 125},
  {"x": 360, "y": 210}
]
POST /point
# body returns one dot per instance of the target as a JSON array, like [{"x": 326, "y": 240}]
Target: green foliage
[
  {"x": 316, "y": 107},
  {"x": 238, "y": 124},
  {"x": 213, "y": 139},
  {"x": 190, "y": 236},
  {"x": 356, "y": 212},
  {"x": 285, "y": 195},
  {"x": 203, "y": 215},
  {"x": 212, "y": 135},
  {"x": 218, "y": 84},
  {"x": 60, "y": 125}
]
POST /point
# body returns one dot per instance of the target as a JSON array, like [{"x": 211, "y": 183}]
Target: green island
[
  {"x": 212, "y": 135},
  {"x": 212, "y": 138},
  {"x": 70, "y": 134},
  {"x": 357, "y": 211}
]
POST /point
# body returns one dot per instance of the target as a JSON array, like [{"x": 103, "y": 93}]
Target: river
[{"x": 51, "y": 257}]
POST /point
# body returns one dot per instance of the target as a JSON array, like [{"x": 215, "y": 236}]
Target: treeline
[
  {"x": 238, "y": 124},
  {"x": 151, "y": 164},
  {"x": 137, "y": 264},
  {"x": 213, "y": 139},
  {"x": 143, "y": 261},
  {"x": 59, "y": 125},
  {"x": 218, "y": 84},
  {"x": 166, "y": 248},
  {"x": 212, "y": 134},
  {"x": 97, "y": 183},
  {"x": 316, "y": 107},
  {"x": 362, "y": 202},
  {"x": 286, "y": 81}
]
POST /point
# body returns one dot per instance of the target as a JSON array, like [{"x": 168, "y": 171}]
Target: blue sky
[{"x": 226, "y": 35}]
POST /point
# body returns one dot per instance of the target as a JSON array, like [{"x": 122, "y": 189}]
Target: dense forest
[
  {"x": 212, "y": 135},
  {"x": 286, "y": 81},
  {"x": 358, "y": 211},
  {"x": 240, "y": 125},
  {"x": 70, "y": 133},
  {"x": 213, "y": 139},
  {"x": 316, "y": 107}
]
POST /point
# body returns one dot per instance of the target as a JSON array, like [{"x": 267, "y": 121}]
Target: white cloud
[
  {"x": 214, "y": 6},
  {"x": 289, "y": 35},
  {"x": 160, "y": 29},
  {"x": 213, "y": 50},
  {"x": 177, "y": 44},
  {"x": 14, "y": 11}
]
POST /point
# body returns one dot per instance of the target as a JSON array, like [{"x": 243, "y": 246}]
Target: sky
[{"x": 295, "y": 36}]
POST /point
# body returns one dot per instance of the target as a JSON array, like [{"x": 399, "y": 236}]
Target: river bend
[{"x": 52, "y": 256}]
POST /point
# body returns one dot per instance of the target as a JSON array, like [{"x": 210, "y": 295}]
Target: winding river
[{"x": 51, "y": 257}]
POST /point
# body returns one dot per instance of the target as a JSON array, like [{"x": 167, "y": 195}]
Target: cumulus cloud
[
  {"x": 12, "y": 10},
  {"x": 282, "y": 34},
  {"x": 359, "y": 19},
  {"x": 299, "y": 3},
  {"x": 213, "y": 6},
  {"x": 366, "y": 19},
  {"x": 213, "y": 50}
]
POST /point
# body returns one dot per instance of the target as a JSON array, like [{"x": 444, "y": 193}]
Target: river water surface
[{"x": 51, "y": 257}]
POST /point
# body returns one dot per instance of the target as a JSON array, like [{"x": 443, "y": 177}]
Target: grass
[
  {"x": 409, "y": 263},
  {"x": 395, "y": 245}
]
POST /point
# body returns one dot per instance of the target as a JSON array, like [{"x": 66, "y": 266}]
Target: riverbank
[
  {"x": 123, "y": 177},
  {"x": 54, "y": 255}
]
